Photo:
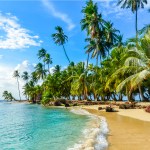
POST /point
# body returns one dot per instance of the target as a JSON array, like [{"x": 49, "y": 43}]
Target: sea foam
[{"x": 95, "y": 133}]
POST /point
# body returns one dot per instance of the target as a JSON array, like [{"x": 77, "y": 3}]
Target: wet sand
[{"x": 125, "y": 133}]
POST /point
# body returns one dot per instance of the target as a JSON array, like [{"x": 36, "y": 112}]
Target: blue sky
[{"x": 26, "y": 26}]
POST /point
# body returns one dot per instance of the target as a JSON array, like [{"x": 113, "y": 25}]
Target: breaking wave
[{"x": 94, "y": 136}]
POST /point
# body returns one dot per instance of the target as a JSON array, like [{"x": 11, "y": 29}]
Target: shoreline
[
  {"x": 94, "y": 135},
  {"x": 139, "y": 114},
  {"x": 126, "y": 130},
  {"x": 129, "y": 129}
]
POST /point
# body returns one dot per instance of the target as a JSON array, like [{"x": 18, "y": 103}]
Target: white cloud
[
  {"x": 8, "y": 82},
  {"x": 110, "y": 7},
  {"x": 148, "y": 4},
  {"x": 56, "y": 13},
  {"x": 51, "y": 69},
  {"x": 16, "y": 37},
  {"x": 25, "y": 66}
]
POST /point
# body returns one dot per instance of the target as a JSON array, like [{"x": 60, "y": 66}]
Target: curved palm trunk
[
  {"x": 87, "y": 60},
  {"x": 136, "y": 23},
  {"x": 120, "y": 97},
  {"x": 66, "y": 53},
  {"x": 48, "y": 68},
  {"x": 44, "y": 65},
  {"x": 97, "y": 60},
  {"x": 18, "y": 89},
  {"x": 129, "y": 94},
  {"x": 85, "y": 92},
  {"x": 100, "y": 60},
  {"x": 141, "y": 93}
]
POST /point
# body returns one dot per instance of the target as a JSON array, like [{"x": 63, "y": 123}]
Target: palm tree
[
  {"x": 137, "y": 62},
  {"x": 94, "y": 24},
  {"x": 29, "y": 90},
  {"x": 110, "y": 34},
  {"x": 25, "y": 76},
  {"x": 8, "y": 96},
  {"x": 79, "y": 82},
  {"x": 5, "y": 95},
  {"x": 40, "y": 72},
  {"x": 120, "y": 41},
  {"x": 41, "y": 55},
  {"x": 93, "y": 80},
  {"x": 111, "y": 65},
  {"x": 60, "y": 39},
  {"x": 135, "y": 67},
  {"x": 57, "y": 69},
  {"x": 48, "y": 60},
  {"x": 144, "y": 30},
  {"x": 102, "y": 34},
  {"x": 92, "y": 21},
  {"x": 90, "y": 48},
  {"x": 134, "y": 5},
  {"x": 17, "y": 76},
  {"x": 34, "y": 78}
]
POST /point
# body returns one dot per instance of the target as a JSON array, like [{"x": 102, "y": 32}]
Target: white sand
[
  {"x": 126, "y": 133},
  {"x": 133, "y": 113}
]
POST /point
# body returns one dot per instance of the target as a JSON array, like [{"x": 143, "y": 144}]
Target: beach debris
[
  {"x": 67, "y": 105},
  {"x": 109, "y": 109},
  {"x": 57, "y": 103},
  {"x": 147, "y": 109},
  {"x": 100, "y": 108},
  {"x": 126, "y": 106}
]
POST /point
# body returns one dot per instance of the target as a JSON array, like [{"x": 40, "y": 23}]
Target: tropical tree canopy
[{"x": 122, "y": 67}]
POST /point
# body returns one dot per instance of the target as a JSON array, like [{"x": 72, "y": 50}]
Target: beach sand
[{"x": 128, "y": 129}]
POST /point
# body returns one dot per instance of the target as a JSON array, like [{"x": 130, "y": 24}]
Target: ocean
[{"x": 33, "y": 127}]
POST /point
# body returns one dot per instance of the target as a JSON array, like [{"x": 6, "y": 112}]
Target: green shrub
[{"x": 46, "y": 98}]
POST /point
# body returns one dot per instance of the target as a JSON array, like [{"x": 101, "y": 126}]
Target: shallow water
[
  {"x": 33, "y": 127},
  {"x": 94, "y": 134}
]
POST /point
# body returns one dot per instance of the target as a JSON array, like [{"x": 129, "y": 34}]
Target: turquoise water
[{"x": 33, "y": 127}]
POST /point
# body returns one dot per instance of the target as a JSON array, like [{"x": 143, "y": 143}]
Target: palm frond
[
  {"x": 139, "y": 77},
  {"x": 123, "y": 83},
  {"x": 134, "y": 61}
]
